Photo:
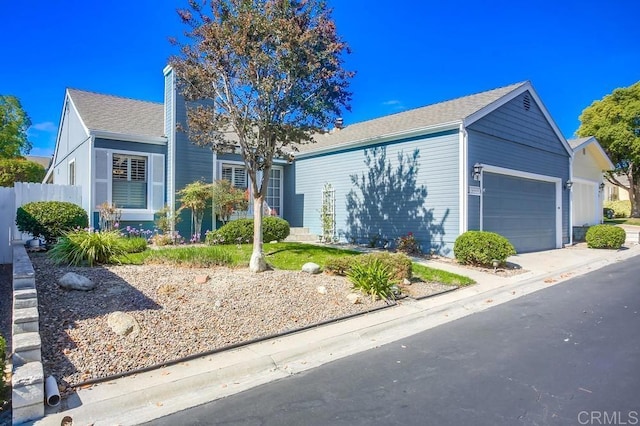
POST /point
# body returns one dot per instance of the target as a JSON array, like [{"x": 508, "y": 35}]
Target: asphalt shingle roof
[
  {"x": 119, "y": 115},
  {"x": 431, "y": 115},
  {"x": 574, "y": 143}
]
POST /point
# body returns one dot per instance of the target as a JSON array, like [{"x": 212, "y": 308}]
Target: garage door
[{"x": 523, "y": 210}]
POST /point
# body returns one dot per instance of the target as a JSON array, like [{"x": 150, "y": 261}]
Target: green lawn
[
  {"x": 426, "y": 273},
  {"x": 286, "y": 256}
]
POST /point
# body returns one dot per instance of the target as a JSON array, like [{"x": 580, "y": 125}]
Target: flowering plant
[{"x": 408, "y": 244}]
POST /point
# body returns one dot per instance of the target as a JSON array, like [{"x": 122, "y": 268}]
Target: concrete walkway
[{"x": 144, "y": 397}]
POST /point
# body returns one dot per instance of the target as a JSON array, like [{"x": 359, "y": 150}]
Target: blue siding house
[{"x": 491, "y": 161}]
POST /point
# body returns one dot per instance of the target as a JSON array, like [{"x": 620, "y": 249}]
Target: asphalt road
[{"x": 566, "y": 355}]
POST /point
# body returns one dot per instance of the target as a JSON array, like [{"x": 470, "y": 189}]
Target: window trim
[
  {"x": 71, "y": 165},
  {"x": 133, "y": 215},
  {"x": 129, "y": 175}
]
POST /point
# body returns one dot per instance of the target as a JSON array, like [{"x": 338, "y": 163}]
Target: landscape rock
[
  {"x": 123, "y": 324},
  {"x": 311, "y": 268},
  {"x": 73, "y": 281},
  {"x": 202, "y": 279},
  {"x": 321, "y": 289},
  {"x": 354, "y": 298},
  {"x": 406, "y": 281}
]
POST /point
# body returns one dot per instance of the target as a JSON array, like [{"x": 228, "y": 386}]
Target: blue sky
[{"x": 406, "y": 53}]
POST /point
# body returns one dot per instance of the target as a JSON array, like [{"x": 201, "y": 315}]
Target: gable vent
[{"x": 526, "y": 102}]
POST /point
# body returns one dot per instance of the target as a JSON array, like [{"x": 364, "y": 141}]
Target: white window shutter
[
  {"x": 102, "y": 172},
  {"x": 157, "y": 181}
]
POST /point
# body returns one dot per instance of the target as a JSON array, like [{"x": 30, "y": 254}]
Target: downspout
[
  {"x": 571, "y": 200},
  {"x": 214, "y": 177},
  {"x": 463, "y": 179},
  {"x": 92, "y": 178}
]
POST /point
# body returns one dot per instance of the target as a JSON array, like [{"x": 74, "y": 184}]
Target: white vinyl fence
[{"x": 23, "y": 193}]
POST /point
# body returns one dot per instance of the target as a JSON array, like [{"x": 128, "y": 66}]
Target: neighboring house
[
  {"x": 614, "y": 192},
  {"x": 589, "y": 164},
  {"x": 43, "y": 161},
  {"x": 492, "y": 161}
]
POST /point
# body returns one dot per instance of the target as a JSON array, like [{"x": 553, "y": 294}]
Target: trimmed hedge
[
  {"x": 482, "y": 248},
  {"x": 605, "y": 237},
  {"x": 240, "y": 231},
  {"x": 50, "y": 219}
]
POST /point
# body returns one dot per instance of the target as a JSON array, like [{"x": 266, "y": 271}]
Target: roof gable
[
  {"x": 593, "y": 147},
  {"x": 113, "y": 114}
]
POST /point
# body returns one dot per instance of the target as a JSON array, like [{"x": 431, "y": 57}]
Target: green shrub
[
  {"x": 408, "y": 244},
  {"x": 605, "y": 237},
  {"x": 50, "y": 219},
  {"x": 399, "y": 266},
  {"x": 82, "y": 247},
  {"x": 371, "y": 278},
  {"x": 621, "y": 208},
  {"x": 482, "y": 248},
  {"x": 339, "y": 265},
  {"x": 134, "y": 244},
  {"x": 19, "y": 170},
  {"x": 274, "y": 229},
  {"x": 240, "y": 231}
]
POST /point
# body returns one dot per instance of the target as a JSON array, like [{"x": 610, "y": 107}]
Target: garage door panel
[{"x": 522, "y": 210}]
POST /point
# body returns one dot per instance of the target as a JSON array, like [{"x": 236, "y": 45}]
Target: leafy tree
[
  {"x": 615, "y": 122},
  {"x": 20, "y": 170},
  {"x": 14, "y": 123},
  {"x": 195, "y": 197},
  {"x": 263, "y": 76},
  {"x": 228, "y": 200}
]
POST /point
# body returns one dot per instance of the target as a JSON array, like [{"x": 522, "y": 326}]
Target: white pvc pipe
[{"x": 51, "y": 391}]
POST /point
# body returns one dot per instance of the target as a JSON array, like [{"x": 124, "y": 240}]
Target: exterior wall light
[
  {"x": 601, "y": 186},
  {"x": 477, "y": 171},
  {"x": 568, "y": 185}
]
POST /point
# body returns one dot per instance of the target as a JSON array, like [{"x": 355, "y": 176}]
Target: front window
[
  {"x": 237, "y": 175},
  {"x": 72, "y": 172},
  {"x": 274, "y": 189},
  {"x": 129, "y": 184}
]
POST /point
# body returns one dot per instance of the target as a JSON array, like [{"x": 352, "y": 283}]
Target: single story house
[
  {"x": 589, "y": 164},
  {"x": 493, "y": 161}
]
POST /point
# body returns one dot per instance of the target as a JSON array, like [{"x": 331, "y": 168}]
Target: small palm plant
[{"x": 372, "y": 278}]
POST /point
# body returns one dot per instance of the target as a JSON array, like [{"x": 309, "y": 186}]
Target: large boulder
[
  {"x": 73, "y": 281},
  {"x": 123, "y": 324},
  {"x": 311, "y": 268}
]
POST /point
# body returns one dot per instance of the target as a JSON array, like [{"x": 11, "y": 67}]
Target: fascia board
[
  {"x": 453, "y": 125},
  {"x": 156, "y": 140}
]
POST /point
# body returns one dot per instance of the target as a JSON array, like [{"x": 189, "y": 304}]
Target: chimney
[{"x": 339, "y": 123}]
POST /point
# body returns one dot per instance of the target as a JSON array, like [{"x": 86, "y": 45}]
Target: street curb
[{"x": 180, "y": 387}]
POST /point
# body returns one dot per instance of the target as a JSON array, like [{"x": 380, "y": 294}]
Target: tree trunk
[
  {"x": 634, "y": 193},
  {"x": 634, "y": 198},
  {"x": 257, "y": 262}
]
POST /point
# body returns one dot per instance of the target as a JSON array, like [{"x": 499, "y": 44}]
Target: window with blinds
[
  {"x": 129, "y": 183},
  {"x": 237, "y": 175}
]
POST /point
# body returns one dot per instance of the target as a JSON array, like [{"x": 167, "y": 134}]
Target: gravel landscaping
[{"x": 175, "y": 314}]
